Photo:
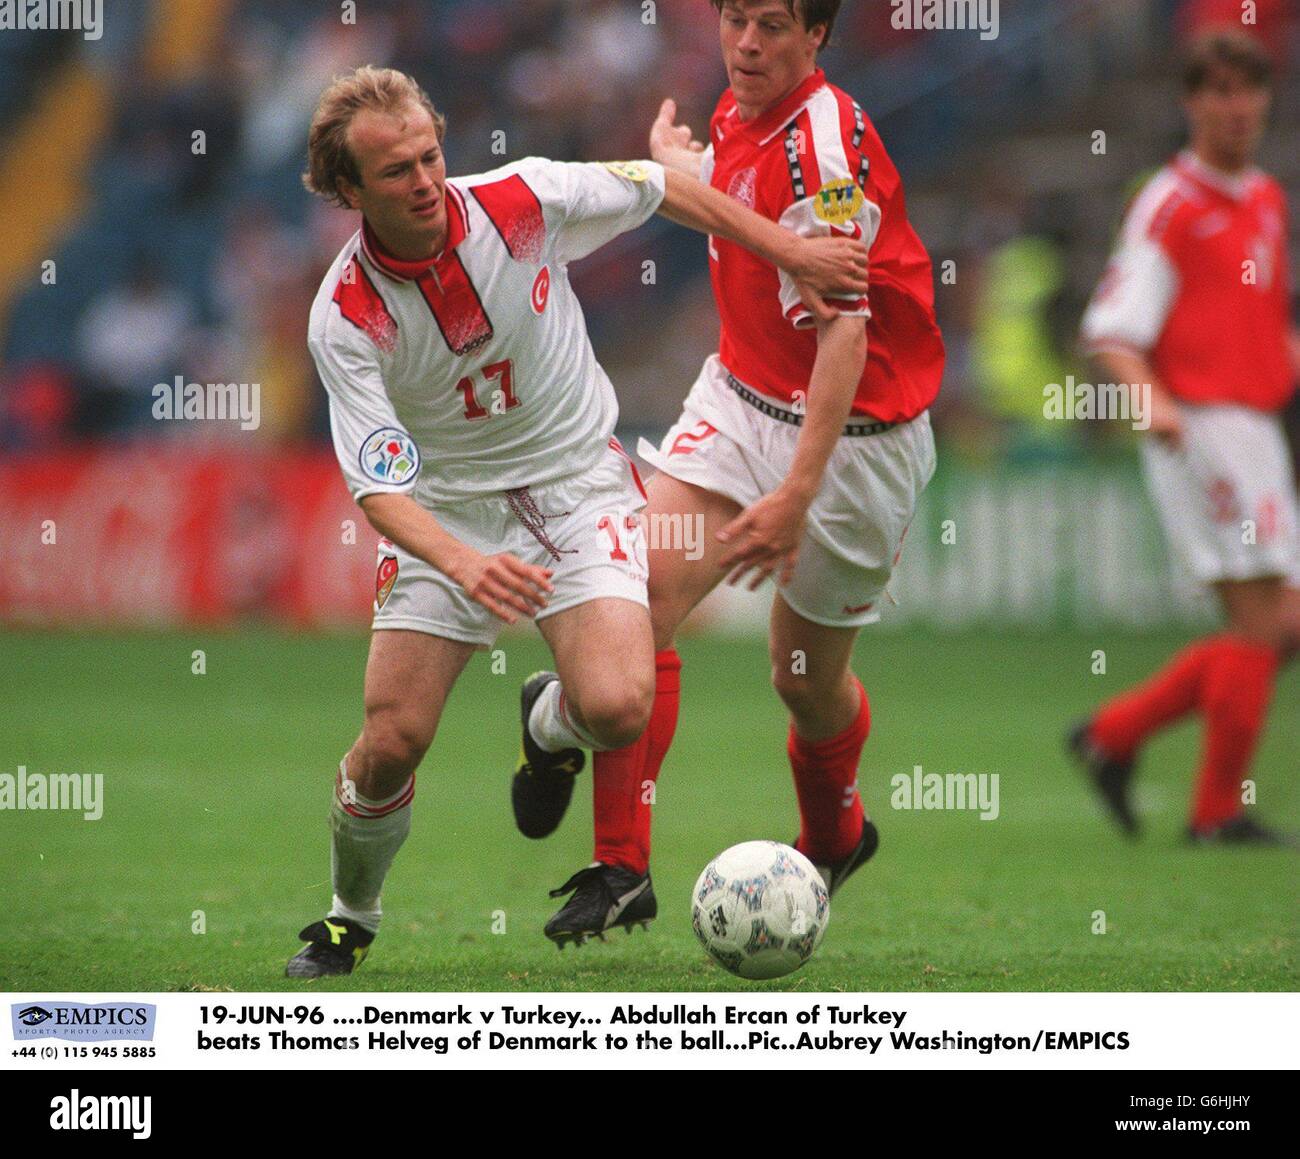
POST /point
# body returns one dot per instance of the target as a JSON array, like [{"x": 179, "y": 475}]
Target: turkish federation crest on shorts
[
  {"x": 385, "y": 577},
  {"x": 390, "y": 455}
]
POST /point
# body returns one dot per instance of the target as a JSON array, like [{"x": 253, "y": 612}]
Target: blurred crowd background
[{"x": 203, "y": 263}]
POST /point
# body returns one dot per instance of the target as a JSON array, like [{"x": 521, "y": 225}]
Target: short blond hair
[{"x": 383, "y": 90}]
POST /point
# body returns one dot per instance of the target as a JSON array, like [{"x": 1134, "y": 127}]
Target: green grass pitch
[{"x": 217, "y": 788}]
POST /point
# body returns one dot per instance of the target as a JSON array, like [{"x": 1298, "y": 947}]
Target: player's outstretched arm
[
  {"x": 503, "y": 583},
  {"x": 824, "y": 266},
  {"x": 767, "y": 535}
]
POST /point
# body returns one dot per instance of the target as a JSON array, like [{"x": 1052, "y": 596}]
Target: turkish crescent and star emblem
[
  {"x": 541, "y": 290},
  {"x": 385, "y": 577}
]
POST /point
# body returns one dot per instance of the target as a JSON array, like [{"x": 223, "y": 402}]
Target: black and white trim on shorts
[{"x": 759, "y": 403}]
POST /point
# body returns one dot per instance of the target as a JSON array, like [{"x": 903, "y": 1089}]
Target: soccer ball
[{"x": 760, "y": 909}]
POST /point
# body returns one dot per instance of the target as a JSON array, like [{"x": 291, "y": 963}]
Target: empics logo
[
  {"x": 77, "y": 1112},
  {"x": 83, "y": 1022},
  {"x": 33, "y": 1016}
]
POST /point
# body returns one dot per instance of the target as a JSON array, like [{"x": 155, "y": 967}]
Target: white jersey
[{"x": 476, "y": 375}]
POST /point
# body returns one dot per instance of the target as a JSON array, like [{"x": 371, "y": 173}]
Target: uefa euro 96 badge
[
  {"x": 632, "y": 170},
  {"x": 390, "y": 456},
  {"x": 838, "y": 202}
]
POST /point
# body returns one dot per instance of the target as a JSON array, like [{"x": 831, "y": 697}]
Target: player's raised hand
[
  {"x": 766, "y": 537},
  {"x": 504, "y": 584},
  {"x": 672, "y": 144}
]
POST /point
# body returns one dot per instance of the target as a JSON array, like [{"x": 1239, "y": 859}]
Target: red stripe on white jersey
[
  {"x": 513, "y": 208},
  {"x": 360, "y": 302},
  {"x": 456, "y": 305}
]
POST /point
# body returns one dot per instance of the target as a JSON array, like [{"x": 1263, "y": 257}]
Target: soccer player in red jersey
[
  {"x": 803, "y": 445},
  {"x": 1195, "y": 303}
]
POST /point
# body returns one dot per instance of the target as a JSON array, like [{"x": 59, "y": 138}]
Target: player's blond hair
[{"x": 382, "y": 90}]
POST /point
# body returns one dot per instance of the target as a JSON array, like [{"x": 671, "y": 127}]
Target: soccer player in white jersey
[{"x": 475, "y": 429}]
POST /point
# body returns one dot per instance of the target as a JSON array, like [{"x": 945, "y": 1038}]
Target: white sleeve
[
  {"x": 373, "y": 448},
  {"x": 838, "y": 208},
  {"x": 596, "y": 202},
  {"x": 1132, "y": 301},
  {"x": 706, "y": 164}
]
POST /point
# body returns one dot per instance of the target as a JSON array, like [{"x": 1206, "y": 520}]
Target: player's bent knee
[
  {"x": 618, "y": 719},
  {"x": 796, "y": 690},
  {"x": 388, "y": 753}
]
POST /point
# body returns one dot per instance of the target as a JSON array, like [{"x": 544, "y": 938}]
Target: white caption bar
[{"x": 650, "y": 1031}]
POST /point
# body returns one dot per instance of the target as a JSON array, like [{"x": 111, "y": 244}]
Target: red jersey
[
  {"x": 815, "y": 164},
  {"x": 1199, "y": 284}
]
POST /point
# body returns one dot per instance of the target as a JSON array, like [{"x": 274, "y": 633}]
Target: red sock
[
  {"x": 1237, "y": 687},
  {"x": 826, "y": 783},
  {"x": 1123, "y": 723},
  {"x": 619, "y": 783}
]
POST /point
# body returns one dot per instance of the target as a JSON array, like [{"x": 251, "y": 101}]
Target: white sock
[
  {"x": 366, "y": 837},
  {"x": 553, "y": 727}
]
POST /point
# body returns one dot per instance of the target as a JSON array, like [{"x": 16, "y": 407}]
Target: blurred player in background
[
  {"x": 1195, "y": 303},
  {"x": 803, "y": 445},
  {"x": 475, "y": 428}
]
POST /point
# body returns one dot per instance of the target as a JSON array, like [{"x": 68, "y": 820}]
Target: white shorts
[
  {"x": 1227, "y": 498},
  {"x": 587, "y": 529},
  {"x": 857, "y": 522}
]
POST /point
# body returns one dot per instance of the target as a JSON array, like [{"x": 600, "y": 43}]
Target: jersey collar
[
  {"x": 1231, "y": 185},
  {"x": 403, "y": 271},
  {"x": 767, "y": 124}
]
